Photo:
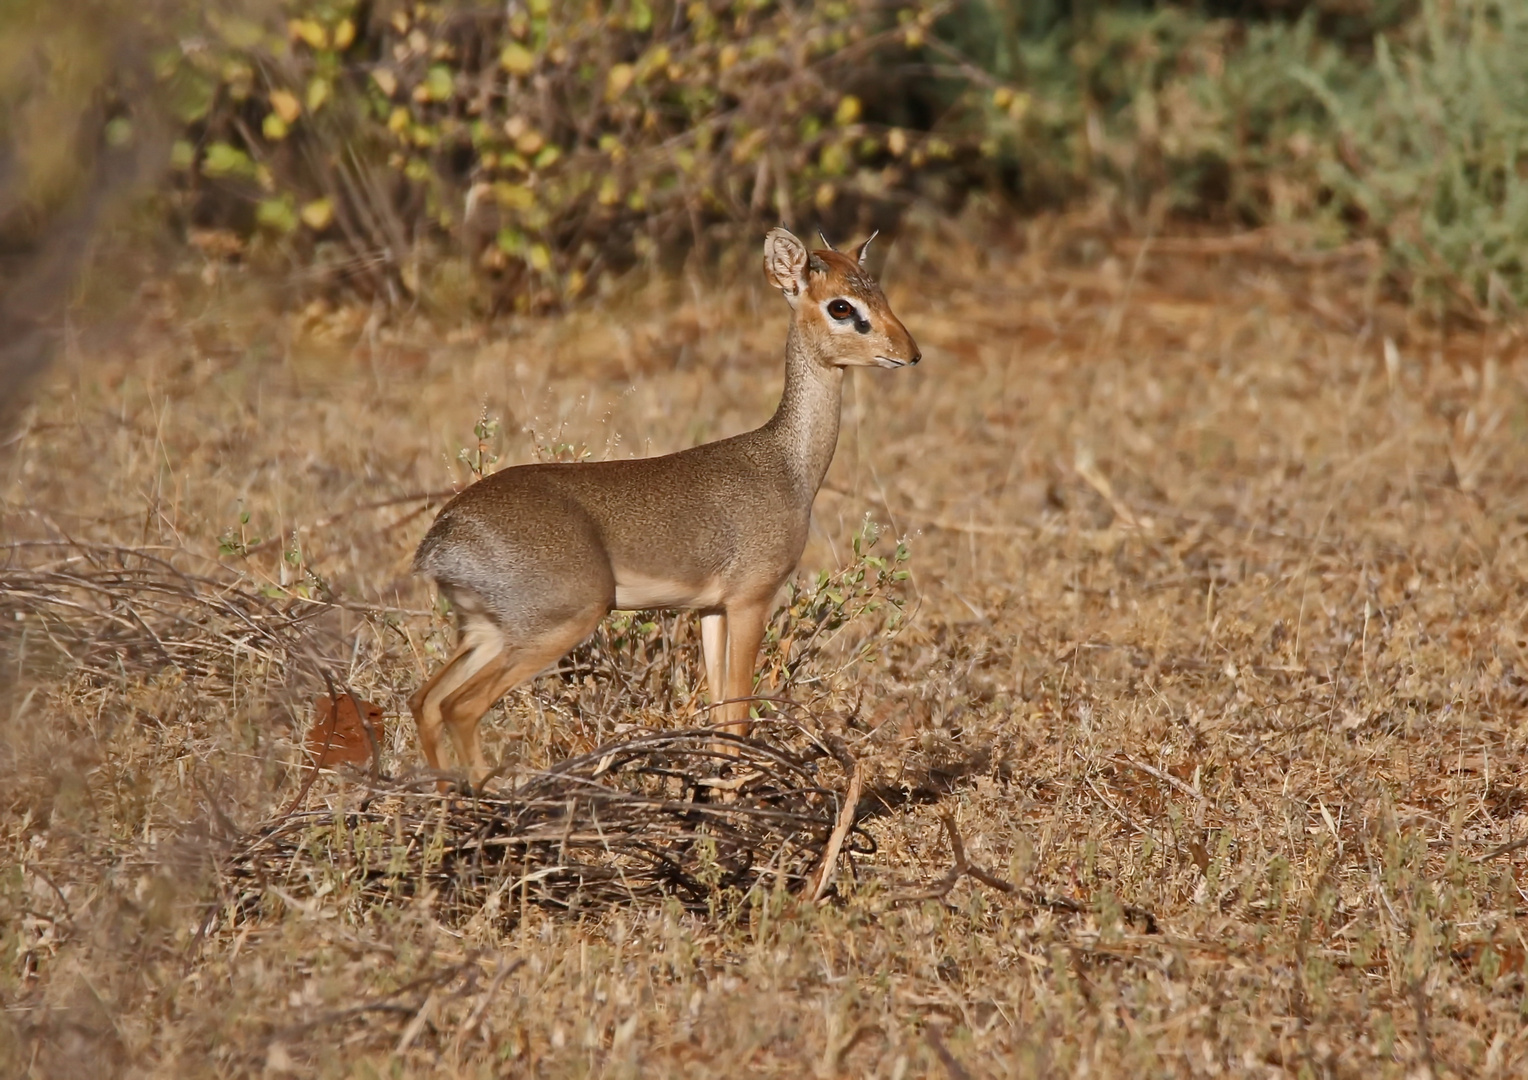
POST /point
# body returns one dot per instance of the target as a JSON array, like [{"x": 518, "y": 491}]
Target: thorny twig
[
  {"x": 950, "y": 1062},
  {"x": 111, "y": 611},
  {"x": 963, "y": 867}
]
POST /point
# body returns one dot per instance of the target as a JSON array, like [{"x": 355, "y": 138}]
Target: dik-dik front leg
[
  {"x": 745, "y": 632},
  {"x": 730, "y": 640},
  {"x": 713, "y": 643}
]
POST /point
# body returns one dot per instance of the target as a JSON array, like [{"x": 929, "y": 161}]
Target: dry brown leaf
[{"x": 338, "y": 736}]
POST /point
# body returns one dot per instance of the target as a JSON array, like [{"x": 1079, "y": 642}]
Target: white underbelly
[{"x": 636, "y": 591}]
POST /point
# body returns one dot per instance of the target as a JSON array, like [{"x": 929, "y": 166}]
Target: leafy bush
[
  {"x": 1437, "y": 152},
  {"x": 1408, "y": 124},
  {"x": 544, "y": 142},
  {"x": 520, "y": 152},
  {"x": 1404, "y": 121}
]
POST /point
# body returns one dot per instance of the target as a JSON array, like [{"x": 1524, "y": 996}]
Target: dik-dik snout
[{"x": 838, "y": 306}]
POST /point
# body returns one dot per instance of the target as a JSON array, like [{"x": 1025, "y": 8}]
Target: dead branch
[
  {"x": 840, "y": 831},
  {"x": 963, "y": 867}
]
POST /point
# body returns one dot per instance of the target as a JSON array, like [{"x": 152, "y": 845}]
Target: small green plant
[
  {"x": 299, "y": 578},
  {"x": 480, "y": 458},
  {"x": 559, "y": 450},
  {"x": 869, "y": 587},
  {"x": 237, "y": 540}
]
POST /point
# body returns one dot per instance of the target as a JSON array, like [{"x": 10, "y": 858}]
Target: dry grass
[{"x": 1213, "y": 657}]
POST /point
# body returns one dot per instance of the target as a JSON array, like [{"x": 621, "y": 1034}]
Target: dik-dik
[{"x": 533, "y": 557}]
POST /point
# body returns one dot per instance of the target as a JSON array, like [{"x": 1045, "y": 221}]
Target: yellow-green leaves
[
  {"x": 285, "y": 105},
  {"x": 318, "y": 214},
  {"x": 238, "y": 79},
  {"x": 527, "y": 140},
  {"x": 1014, "y": 103},
  {"x": 517, "y": 59},
  {"x": 286, "y": 109},
  {"x": 437, "y": 86},
  {"x": 834, "y": 159},
  {"x": 319, "y": 90},
  {"x": 618, "y": 80},
  {"x": 309, "y": 31},
  {"x": 191, "y": 94},
  {"x": 559, "y": 128},
  {"x": 513, "y": 196},
  {"x": 278, "y": 214},
  {"x": 223, "y": 160},
  {"x": 654, "y": 62}
]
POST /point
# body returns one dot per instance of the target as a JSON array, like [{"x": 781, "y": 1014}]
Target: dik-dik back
[{"x": 533, "y": 557}]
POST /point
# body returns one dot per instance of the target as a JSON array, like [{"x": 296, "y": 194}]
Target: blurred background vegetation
[{"x": 521, "y": 154}]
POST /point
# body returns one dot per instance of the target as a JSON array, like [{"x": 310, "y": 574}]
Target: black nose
[{"x": 916, "y": 357}]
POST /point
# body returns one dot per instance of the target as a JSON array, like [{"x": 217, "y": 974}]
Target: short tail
[{"x": 425, "y": 561}]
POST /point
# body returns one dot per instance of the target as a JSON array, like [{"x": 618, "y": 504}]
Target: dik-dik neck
[{"x": 805, "y": 426}]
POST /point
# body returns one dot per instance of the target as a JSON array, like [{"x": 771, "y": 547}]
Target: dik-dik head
[{"x": 839, "y": 312}]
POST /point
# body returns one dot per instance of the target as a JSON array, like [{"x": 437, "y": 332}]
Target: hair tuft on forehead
[{"x": 846, "y": 268}]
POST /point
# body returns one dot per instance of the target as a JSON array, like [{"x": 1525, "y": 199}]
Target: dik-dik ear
[
  {"x": 861, "y": 251},
  {"x": 785, "y": 263}
]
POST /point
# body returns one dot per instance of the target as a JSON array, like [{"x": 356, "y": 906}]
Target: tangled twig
[
  {"x": 693, "y": 815},
  {"x": 108, "y": 611}
]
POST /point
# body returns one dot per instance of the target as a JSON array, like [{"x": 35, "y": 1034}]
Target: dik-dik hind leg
[
  {"x": 463, "y": 709},
  {"x": 745, "y": 632},
  {"x": 481, "y": 642}
]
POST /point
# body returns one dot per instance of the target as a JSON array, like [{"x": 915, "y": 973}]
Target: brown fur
[{"x": 534, "y": 556}]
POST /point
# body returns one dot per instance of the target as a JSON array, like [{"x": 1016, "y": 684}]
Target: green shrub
[
  {"x": 1146, "y": 99},
  {"x": 1407, "y": 122},
  {"x": 1436, "y": 152}
]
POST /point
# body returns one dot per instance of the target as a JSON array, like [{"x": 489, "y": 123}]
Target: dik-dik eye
[{"x": 840, "y": 309}]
